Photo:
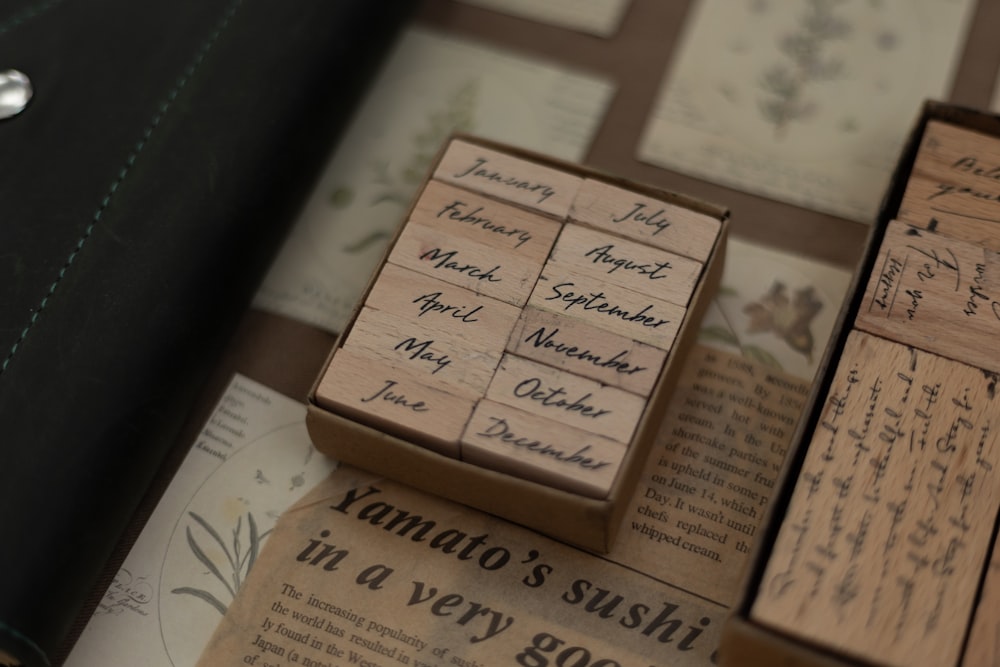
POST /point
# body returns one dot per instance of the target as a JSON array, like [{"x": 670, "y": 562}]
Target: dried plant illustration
[
  {"x": 785, "y": 85},
  {"x": 238, "y": 557},
  {"x": 789, "y": 319},
  {"x": 397, "y": 188}
]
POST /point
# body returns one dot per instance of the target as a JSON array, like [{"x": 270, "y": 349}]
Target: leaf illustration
[
  {"x": 215, "y": 535},
  {"x": 761, "y": 355},
  {"x": 785, "y": 84},
  {"x": 719, "y": 334},
  {"x": 254, "y": 541},
  {"x": 202, "y": 595},
  {"x": 206, "y": 561},
  {"x": 366, "y": 242}
]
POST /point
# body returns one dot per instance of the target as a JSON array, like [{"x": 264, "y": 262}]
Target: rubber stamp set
[
  {"x": 516, "y": 346},
  {"x": 878, "y": 552}
]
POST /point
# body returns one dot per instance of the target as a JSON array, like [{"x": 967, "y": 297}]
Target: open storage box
[
  {"x": 562, "y": 303},
  {"x": 877, "y": 546}
]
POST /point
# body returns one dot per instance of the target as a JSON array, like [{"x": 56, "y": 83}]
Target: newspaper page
[
  {"x": 805, "y": 102},
  {"x": 370, "y": 572}
]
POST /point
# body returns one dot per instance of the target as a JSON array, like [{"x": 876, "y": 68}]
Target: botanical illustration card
[
  {"x": 431, "y": 86},
  {"x": 251, "y": 461},
  {"x": 597, "y": 17},
  {"x": 804, "y": 101},
  {"x": 775, "y": 308}
]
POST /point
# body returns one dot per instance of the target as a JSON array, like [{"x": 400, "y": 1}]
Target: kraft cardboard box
[
  {"x": 941, "y": 630},
  {"x": 423, "y": 452}
]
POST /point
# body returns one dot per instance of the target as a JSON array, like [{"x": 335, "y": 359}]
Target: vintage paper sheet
[
  {"x": 367, "y": 571},
  {"x": 597, "y": 17},
  {"x": 805, "y": 102},
  {"x": 432, "y": 85},
  {"x": 250, "y": 462}
]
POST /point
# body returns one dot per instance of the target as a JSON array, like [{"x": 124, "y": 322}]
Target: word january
[{"x": 477, "y": 170}]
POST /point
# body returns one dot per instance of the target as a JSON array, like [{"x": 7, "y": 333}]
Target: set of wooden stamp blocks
[
  {"x": 883, "y": 539},
  {"x": 517, "y": 343}
]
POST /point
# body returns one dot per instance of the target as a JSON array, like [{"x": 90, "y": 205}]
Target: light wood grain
[
  {"x": 509, "y": 178},
  {"x": 577, "y": 347},
  {"x": 467, "y": 264},
  {"x": 631, "y": 265},
  {"x": 564, "y": 291},
  {"x": 892, "y": 513},
  {"x": 465, "y": 214},
  {"x": 541, "y": 450},
  {"x": 936, "y": 293},
  {"x": 441, "y": 306},
  {"x": 445, "y": 360},
  {"x": 566, "y": 398},
  {"x": 657, "y": 223},
  {"x": 394, "y": 401},
  {"x": 983, "y": 647},
  {"x": 954, "y": 186}
]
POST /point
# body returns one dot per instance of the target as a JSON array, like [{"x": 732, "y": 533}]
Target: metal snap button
[{"x": 15, "y": 92}]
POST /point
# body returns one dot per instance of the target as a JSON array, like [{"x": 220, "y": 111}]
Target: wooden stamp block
[
  {"x": 892, "y": 514},
  {"x": 395, "y": 400},
  {"x": 954, "y": 187},
  {"x": 439, "y": 358},
  {"x": 569, "y": 389},
  {"x": 440, "y": 306},
  {"x": 565, "y": 291},
  {"x": 982, "y": 648},
  {"x": 577, "y": 347},
  {"x": 566, "y": 398},
  {"x": 470, "y": 265},
  {"x": 661, "y": 224},
  {"x": 538, "y": 449},
  {"x": 468, "y": 215},
  {"x": 631, "y": 265},
  {"x": 936, "y": 293},
  {"x": 509, "y": 178}
]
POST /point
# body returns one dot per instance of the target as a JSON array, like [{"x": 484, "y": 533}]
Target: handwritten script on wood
[
  {"x": 893, "y": 508},
  {"x": 936, "y": 293},
  {"x": 955, "y": 185}
]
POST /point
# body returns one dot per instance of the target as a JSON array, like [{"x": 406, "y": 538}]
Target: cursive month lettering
[
  {"x": 554, "y": 397},
  {"x": 446, "y": 260},
  {"x": 599, "y": 301},
  {"x": 641, "y": 215},
  {"x": 454, "y": 211},
  {"x": 386, "y": 394},
  {"x": 419, "y": 351},
  {"x": 546, "y": 339},
  {"x": 603, "y": 256},
  {"x": 430, "y": 303},
  {"x": 499, "y": 429},
  {"x": 478, "y": 170}
]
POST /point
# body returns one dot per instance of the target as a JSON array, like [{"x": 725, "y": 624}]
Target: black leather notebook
[{"x": 143, "y": 191}]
